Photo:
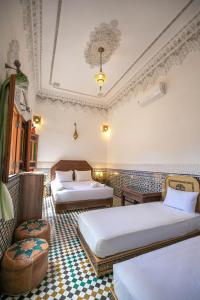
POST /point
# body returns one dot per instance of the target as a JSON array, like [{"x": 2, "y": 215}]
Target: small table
[{"x": 134, "y": 195}]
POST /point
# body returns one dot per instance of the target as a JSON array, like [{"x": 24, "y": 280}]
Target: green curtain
[
  {"x": 6, "y": 204},
  {"x": 22, "y": 80}
]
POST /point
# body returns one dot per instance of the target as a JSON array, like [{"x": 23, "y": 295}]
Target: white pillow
[
  {"x": 185, "y": 201},
  {"x": 63, "y": 176},
  {"x": 83, "y": 175}
]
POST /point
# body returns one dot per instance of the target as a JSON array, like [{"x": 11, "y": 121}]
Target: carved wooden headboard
[
  {"x": 66, "y": 165},
  {"x": 182, "y": 183}
]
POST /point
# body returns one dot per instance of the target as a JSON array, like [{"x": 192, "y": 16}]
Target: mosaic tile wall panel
[
  {"x": 145, "y": 180},
  {"x": 7, "y": 228},
  {"x": 118, "y": 178}
]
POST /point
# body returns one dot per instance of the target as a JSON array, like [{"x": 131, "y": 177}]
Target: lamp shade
[{"x": 100, "y": 78}]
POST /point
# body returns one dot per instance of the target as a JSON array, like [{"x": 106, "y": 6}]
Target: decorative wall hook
[
  {"x": 17, "y": 65},
  {"x": 75, "y": 135}
]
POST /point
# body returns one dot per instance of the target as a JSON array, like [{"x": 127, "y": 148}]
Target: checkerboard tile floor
[{"x": 70, "y": 275}]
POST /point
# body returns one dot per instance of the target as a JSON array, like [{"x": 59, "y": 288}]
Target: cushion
[
  {"x": 27, "y": 249},
  {"x": 63, "y": 176},
  {"x": 83, "y": 175},
  {"x": 185, "y": 201},
  {"x": 37, "y": 228},
  {"x": 23, "y": 266}
]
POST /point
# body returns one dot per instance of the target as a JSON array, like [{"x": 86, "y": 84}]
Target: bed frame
[
  {"x": 80, "y": 165},
  {"x": 104, "y": 266},
  {"x": 112, "y": 295}
]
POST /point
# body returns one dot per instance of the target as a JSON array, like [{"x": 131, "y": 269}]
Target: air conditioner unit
[{"x": 154, "y": 93}]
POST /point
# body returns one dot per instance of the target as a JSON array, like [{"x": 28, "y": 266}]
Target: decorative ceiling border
[
  {"x": 45, "y": 95},
  {"x": 32, "y": 21},
  {"x": 55, "y": 84},
  {"x": 150, "y": 45},
  {"x": 172, "y": 53},
  {"x": 106, "y": 95}
]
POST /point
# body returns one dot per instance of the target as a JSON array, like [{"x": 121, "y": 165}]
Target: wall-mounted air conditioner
[{"x": 154, "y": 93}]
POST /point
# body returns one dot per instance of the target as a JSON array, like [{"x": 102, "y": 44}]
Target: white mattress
[
  {"x": 73, "y": 191},
  {"x": 113, "y": 230},
  {"x": 170, "y": 273}
]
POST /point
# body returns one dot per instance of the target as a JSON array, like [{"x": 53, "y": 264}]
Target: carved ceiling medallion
[{"x": 106, "y": 36}]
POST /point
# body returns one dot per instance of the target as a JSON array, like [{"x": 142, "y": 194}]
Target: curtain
[
  {"x": 6, "y": 204},
  {"x": 22, "y": 80}
]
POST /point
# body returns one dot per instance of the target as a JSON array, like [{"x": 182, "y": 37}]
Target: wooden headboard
[
  {"x": 67, "y": 165},
  {"x": 182, "y": 183}
]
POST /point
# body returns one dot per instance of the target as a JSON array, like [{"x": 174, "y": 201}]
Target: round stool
[
  {"x": 38, "y": 228},
  {"x": 23, "y": 266}
]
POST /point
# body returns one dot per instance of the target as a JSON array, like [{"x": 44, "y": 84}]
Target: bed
[
  {"x": 115, "y": 234},
  {"x": 169, "y": 273},
  {"x": 78, "y": 195}
]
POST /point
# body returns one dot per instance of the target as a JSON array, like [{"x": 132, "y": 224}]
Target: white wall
[
  {"x": 166, "y": 131},
  {"x": 56, "y": 134},
  {"x": 11, "y": 28},
  {"x": 161, "y": 136}
]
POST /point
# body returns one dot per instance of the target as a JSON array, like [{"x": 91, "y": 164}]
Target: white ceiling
[{"x": 64, "y": 40}]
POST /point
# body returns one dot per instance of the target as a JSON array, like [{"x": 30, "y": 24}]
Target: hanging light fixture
[{"x": 101, "y": 76}]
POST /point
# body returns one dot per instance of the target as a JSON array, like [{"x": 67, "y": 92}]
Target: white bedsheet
[
  {"x": 170, "y": 273},
  {"x": 73, "y": 191},
  {"x": 113, "y": 230}
]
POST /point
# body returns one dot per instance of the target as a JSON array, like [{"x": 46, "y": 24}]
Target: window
[{"x": 21, "y": 145}]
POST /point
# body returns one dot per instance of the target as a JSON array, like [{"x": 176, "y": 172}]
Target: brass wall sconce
[
  {"x": 75, "y": 135},
  {"x": 104, "y": 128},
  {"x": 37, "y": 120},
  {"x": 99, "y": 174}
]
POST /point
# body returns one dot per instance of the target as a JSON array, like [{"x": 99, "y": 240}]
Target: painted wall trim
[
  {"x": 160, "y": 168},
  {"x": 163, "y": 168}
]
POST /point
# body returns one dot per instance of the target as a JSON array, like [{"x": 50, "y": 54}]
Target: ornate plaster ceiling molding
[
  {"x": 173, "y": 53},
  {"x": 45, "y": 95},
  {"x": 32, "y": 20},
  {"x": 106, "y": 36}
]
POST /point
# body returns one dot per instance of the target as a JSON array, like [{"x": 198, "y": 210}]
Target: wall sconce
[
  {"x": 37, "y": 120},
  {"x": 105, "y": 128},
  {"x": 98, "y": 174},
  {"x": 75, "y": 135}
]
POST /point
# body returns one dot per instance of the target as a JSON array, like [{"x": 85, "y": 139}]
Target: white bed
[
  {"x": 170, "y": 273},
  {"x": 73, "y": 191},
  {"x": 114, "y": 230}
]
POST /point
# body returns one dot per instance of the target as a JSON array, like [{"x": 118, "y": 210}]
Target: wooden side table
[{"x": 134, "y": 195}]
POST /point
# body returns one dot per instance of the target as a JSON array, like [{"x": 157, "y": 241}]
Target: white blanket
[
  {"x": 113, "y": 230},
  {"x": 170, "y": 273},
  {"x": 83, "y": 190}
]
